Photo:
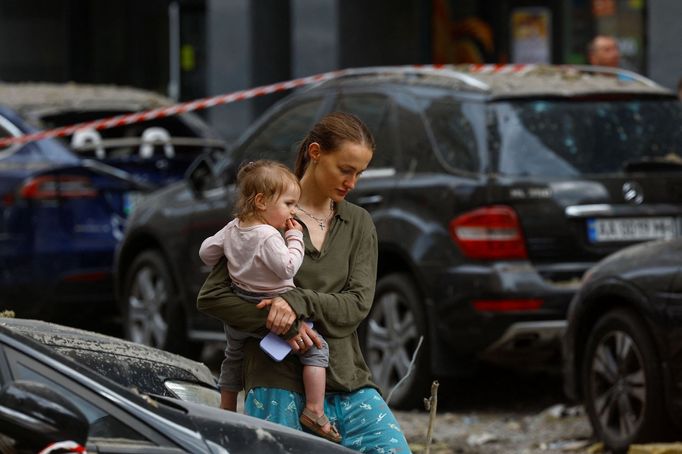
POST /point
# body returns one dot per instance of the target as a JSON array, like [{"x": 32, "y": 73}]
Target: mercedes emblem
[{"x": 632, "y": 192}]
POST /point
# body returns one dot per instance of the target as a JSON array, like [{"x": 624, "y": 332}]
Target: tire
[
  {"x": 390, "y": 337},
  {"x": 622, "y": 382},
  {"x": 152, "y": 313}
]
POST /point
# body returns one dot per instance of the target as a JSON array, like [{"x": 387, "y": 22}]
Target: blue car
[
  {"x": 61, "y": 217},
  {"x": 158, "y": 150}
]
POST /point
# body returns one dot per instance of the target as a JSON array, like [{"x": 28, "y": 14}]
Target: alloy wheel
[
  {"x": 146, "y": 305},
  {"x": 618, "y": 381},
  {"x": 392, "y": 337}
]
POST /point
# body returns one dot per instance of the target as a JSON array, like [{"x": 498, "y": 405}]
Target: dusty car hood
[
  {"x": 240, "y": 433},
  {"x": 111, "y": 356}
]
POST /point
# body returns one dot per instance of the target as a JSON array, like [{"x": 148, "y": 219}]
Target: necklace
[{"x": 322, "y": 222}]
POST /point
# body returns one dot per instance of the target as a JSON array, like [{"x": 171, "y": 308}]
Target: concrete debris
[
  {"x": 566, "y": 445},
  {"x": 562, "y": 411},
  {"x": 480, "y": 439},
  {"x": 659, "y": 448}
]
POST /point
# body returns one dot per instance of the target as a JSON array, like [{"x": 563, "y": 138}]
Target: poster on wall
[{"x": 531, "y": 35}]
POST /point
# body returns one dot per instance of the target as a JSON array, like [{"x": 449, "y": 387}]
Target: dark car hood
[
  {"x": 239, "y": 433},
  {"x": 652, "y": 256},
  {"x": 113, "y": 357}
]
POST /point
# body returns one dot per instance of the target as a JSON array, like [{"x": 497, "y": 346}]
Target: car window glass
[
  {"x": 124, "y": 142},
  {"x": 102, "y": 424},
  {"x": 453, "y": 134},
  {"x": 375, "y": 112},
  {"x": 279, "y": 138},
  {"x": 414, "y": 140},
  {"x": 567, "y": 138},
  {"x": 541, "y": 159}
]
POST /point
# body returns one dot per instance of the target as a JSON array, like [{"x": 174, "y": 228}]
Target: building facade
[{"x": 190, "y": 49}]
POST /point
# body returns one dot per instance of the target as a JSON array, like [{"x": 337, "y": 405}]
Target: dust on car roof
[
  {"x": 516, "y": 81},
  {"x": 28, "y": 96}
]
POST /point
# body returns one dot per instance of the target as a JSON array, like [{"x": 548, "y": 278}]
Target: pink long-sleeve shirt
[{"x": 259, "y": 260}]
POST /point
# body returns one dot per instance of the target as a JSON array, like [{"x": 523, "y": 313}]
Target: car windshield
[{"x": 568, "y": 138}]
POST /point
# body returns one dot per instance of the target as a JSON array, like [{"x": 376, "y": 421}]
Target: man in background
[{"x": 603, "y": 51}]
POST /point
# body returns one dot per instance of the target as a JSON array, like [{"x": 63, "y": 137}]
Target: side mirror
[
  {"x": 199, "y": 175},
  {"x": 35, "y": 416},
  {"x": 210, "y": 171}
]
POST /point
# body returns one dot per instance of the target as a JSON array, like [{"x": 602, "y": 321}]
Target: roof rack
[
  {"x": 524, "y": 68},
  {"x": 463, "y": 72},
  {"x": 419, "y": 70}
]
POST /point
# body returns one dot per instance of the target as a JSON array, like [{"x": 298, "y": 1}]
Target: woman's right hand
[{"x": 281, "y": 315}]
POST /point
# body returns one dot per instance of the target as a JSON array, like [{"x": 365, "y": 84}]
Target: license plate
[{"x": 631, "y": 229}]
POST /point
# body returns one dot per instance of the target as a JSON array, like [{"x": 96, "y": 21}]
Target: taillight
[
  {"x": 58, "y": 186},
  {"x": 490, "y": 233},
  {"x": 507, "y": 305}
]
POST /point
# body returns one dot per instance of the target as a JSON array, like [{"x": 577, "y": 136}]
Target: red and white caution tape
[
  {"x": 204, "y": 103},
  {"x": 64, "y": 447},
  {"x": 122, "y": 120}
]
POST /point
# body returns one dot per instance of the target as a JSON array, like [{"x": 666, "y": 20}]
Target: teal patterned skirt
[{"x": 362, "y": 417}]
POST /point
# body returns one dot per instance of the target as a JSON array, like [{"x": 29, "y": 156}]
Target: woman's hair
[
  {"x": 330, "y": 132},
  {"x": 269, "y": 178}
]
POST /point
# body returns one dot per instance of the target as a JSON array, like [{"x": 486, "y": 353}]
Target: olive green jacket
[{"x": 335, "y": 289}]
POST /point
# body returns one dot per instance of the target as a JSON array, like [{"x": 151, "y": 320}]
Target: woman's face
[{"x": 336, "y": 172}]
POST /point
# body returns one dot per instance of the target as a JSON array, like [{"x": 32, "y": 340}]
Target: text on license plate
[{"x": 631, "y": 229}]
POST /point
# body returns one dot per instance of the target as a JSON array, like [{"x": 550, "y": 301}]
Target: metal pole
[{"x": 174, "y": 51}]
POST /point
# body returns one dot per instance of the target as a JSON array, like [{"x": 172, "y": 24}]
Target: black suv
[{"x": 493, "y": 188}]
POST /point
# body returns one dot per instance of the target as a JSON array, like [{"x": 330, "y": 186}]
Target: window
[
  {"x": 375, "y": 112},
  {"x": 414, "y": 140},
  {"x": 453, "y": 134},
  {"x": 567, "y": 138},
  {"x": 103, "y": 423},
  {"x": 158, "y": 150},
  {"x": 279, "y": 138}
]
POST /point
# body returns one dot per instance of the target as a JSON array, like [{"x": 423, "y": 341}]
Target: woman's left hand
[
  {"x": 281, "y": 315},
  {"x": 305, "y": 339}
]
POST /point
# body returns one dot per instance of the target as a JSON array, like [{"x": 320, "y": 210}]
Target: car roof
[
  {"x": 509, "y": 81},
  {"x": 38, "y": 98},
  {"x": 88, "y": 345}
]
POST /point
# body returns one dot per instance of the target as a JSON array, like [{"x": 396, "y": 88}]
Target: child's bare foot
[{"x": 320, "y": 425}]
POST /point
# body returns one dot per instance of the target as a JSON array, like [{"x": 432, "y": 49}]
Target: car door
[
  {"x": 674, "y": 315},
  {"x": 111, "y": 429}
]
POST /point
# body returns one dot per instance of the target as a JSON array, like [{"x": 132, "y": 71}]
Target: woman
[{"x": 334, "y": 288}]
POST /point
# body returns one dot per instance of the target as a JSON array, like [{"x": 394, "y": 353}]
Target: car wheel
[
  {"x": 622, "y": 383},
  {"x": 390, "y": 337},
  {"x": 152, "y": 314}
]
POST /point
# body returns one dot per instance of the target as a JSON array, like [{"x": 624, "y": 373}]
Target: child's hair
[{"x": 269, "y": 178}]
